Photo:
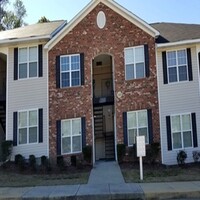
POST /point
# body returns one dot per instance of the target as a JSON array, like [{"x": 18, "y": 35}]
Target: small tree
[{"x": 43, "y": 20}]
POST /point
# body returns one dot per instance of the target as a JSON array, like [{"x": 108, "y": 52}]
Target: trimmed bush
[
  {"x": 121, "y": 150},
  {"x": 20, "y": 162},
  {"x": 181, "y": 157},
  {"x": 32, "y": 162},
  {"x": 87, "y": 153},
  {"x": 6, "y": 149}
]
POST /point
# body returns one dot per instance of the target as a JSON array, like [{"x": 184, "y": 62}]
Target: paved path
[
  {"x": 105, "y": 173},
  {"x": 108, "y": 184}
]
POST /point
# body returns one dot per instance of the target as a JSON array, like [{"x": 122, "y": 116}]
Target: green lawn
[{"x": 161, "y": 173}]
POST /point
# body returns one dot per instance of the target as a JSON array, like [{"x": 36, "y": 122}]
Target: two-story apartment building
[{"x": 100, "y": 80}]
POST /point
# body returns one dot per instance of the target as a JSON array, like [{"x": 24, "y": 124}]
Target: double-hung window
[
  {"x": 134, "y": 62},
  {"x": 137, "y": 125},
  {"x": 177, "y": 66},
  {"x": 181, "y": 129},
  {"x": 70, "y": 73},
  {"x": 71, "y": 137},
  {"x": 28, "y": 62},
  {"x": 28, "y": 127}
]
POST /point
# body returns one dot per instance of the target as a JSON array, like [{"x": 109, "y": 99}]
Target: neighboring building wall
[
  {"x": 24, "y": 95},
  {"x": 178, "y": 98},
  {"x": 87, "y": 38}
]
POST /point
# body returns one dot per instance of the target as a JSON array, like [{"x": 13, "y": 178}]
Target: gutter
[
  {"x": 171, "y": 44},
  {"x": 29, "y": 39}
]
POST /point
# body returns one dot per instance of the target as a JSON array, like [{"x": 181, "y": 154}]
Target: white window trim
[
  {"x": 36, "y": 109},
  {"x": 182, "y": 142},
  {"x": 178, "y": 81},
  {"x": 70, "y": 71},
  {"x": 71, "y": 136},
  {"x": 28, "y": 62},
  {"x": 130, "y": 145},
  {"x": 143, "y": 61}
]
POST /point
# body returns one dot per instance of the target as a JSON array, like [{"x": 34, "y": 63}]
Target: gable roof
[
  {"x": 177, "y": 32},
  {"x": 32, "y": 32},
  {"x": 115, "y": 7}
]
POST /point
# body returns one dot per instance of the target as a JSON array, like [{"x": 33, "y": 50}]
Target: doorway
[{"x": 103, "y": 108}]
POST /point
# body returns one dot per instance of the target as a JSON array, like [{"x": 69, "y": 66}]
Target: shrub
[
  {"x": 73, "y": 161},
  {"x": 196, "y": 156},
  {"x": 6, "y": 149},
  {"x": 32, "y": 162},
  {"x": 20, "y": 162},
  {"x": 181, "y": 157},
  {"x": 153, "y": 152},
  {"x": 45, "y": 164},
  {"x": 87, "y": 153},
  {"x": 121, "y": 150},
  {"x": 60, "y": 162}
]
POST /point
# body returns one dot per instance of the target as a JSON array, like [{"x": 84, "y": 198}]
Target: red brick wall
[{"x": 87, "y": 38}]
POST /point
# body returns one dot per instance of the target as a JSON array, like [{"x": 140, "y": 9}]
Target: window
[
  {"x": 71, "y": 140},
  {"x": 28, "y": 127},
  {"x": 134, "y": 62},
  {"x": 181, "y": 129},
  {"x": 28, "y": 62},
  {"x": 137, "y": 125},
  {"x": 177, "y": 66},
  {"x": 70, "y": 70}
]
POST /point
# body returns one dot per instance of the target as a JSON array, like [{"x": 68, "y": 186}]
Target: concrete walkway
[{"x": 106, "y": 183}]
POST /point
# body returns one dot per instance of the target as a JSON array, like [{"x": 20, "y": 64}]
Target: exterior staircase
[
  {"x": 98, "y": 122},
  {"x": 109, "y": 146},
  {"x": 3, "y": 115}
]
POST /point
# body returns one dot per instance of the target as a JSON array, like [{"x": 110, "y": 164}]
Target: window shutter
[
  {"x": 189, "y": 59},
  {"x": 164, "y": 60},
  {"x": 58, "y": 71},
  {"x": 40, "y": 60},
  {"x": 82, "y": 68},
  {"x": 83, "y": 127},
  {"x": 169, "y": 137},
  {"x": 194, "y": 130},
  {"x": 15, "y": 129},
  {"x": 58, "y": 125},
  {"x": 40, "y": 117},
  {"x": 150, "y": 125},
  {"x": 15, "y": 63},
  {"x": 146, "y": 56},
  {"x": 125, "y": 128}
]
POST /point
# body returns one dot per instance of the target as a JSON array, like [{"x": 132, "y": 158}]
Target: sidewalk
[{"x": 109, "y": 184}]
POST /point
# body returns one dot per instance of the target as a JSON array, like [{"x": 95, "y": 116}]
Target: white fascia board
[
  {"x": 185, "y": 42},
  {"x": 22, "y": 40}
]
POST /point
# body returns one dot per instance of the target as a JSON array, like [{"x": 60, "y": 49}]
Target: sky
[{"x": 178, "y": 11}]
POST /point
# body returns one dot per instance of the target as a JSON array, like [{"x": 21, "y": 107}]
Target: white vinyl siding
[
  {"x": 134, "y": 62},
  {"x": 177, "y": 98},
  {"x": 25, "y": 95}
]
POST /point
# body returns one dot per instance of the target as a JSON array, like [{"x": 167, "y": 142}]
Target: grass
[
  {"x": 11, "y": 176},
  {"x": 161, "y": 173}
]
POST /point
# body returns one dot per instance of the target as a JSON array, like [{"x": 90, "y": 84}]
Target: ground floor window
[
  {"x": 181, "y": 129},
  {"x": 28, "y": 127},
  {"x": 71, "y": 138},
  {"x": 137, "y": 125}
]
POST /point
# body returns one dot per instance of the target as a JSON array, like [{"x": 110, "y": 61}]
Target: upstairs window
[
  {"x": 177, "y": 66},
  {"x": 28, "y": 62},
  {"x": 136, "y": 62},
  {"x": 70, "y": 70}
]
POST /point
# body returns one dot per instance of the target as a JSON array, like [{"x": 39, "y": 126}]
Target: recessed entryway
[{"x": 103, "y": 108}]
